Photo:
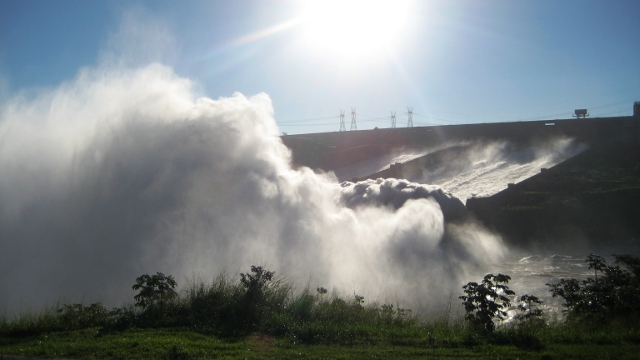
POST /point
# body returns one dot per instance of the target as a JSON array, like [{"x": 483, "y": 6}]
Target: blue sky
[{"x": 451, "y": 61}]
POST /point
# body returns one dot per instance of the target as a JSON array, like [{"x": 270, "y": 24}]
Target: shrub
[
  {"x": 256, "y": 284},
  {"x": 528, "y": 305},
  {"x": 154, "y": 289},
  {"x": 613, "y": 294},
  {"x": 486, "y": 301},
  {"x": 77, "y": 316}
]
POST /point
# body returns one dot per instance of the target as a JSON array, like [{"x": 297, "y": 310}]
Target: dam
[
  {"x": 591, "y": 191},
  {"x": 331, "y": 151}
]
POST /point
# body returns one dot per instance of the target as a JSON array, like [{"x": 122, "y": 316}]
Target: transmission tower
[
  {"x": 342, "y": 127},
  {"x": 393, "y": 119},
  {"x": 410, "y": 113},
  {"x": 354, "y": 126}
]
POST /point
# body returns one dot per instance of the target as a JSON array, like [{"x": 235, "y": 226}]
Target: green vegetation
[
  {"x": 611, "y": 297},
  {"x": 528, "y": 305},
  {"x": 486, "y": 301},
  {"x": 260, "y": 315},
  {"x": 189, "y": 344},
  {"x": 154, "y": 290}
]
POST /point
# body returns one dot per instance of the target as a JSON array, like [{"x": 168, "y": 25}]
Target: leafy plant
[
  {"x": 257, "y": 280},
  {"x": 390, "y": 315},
  {"x": 529, "y": 306},
  {"x": 256, "y": 284},
  {"x": 485, "y": 301},
  {"x": 321, "y": 290},
  {"x": 613, "y": 294},
  {"x": 77, "y": 316},
  {"x": 596, "y": 262},
  {"x": 154, "y": 289}
]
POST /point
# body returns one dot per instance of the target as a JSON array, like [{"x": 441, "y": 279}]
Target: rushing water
[
  {"x": 482, "y": 169},
  {"x": 531, "y": 271}
]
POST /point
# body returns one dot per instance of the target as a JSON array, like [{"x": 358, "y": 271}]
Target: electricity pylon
[
  {"x": 342, "y": 127},
  {"x": 393, "y": 119},
  {"x": 354, "y": 126},
  {"x": 410, "y": 113}
]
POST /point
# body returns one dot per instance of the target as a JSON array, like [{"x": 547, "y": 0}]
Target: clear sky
[{"x": 451, "y": 61}]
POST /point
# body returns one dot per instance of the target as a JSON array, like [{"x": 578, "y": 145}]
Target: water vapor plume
[
  {"x": 396, "y": 193},
  {"x": 124, "y": 172}
]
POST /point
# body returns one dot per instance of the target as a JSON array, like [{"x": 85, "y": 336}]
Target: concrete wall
[{"x": 329, "y": 151}]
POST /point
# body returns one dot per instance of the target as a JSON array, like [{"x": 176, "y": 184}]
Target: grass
[
  {"x": 269, "y": 318},
  {"x": 182, "y": 343}
]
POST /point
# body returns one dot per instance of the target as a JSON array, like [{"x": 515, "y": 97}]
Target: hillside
[{"x": 592, "y": 197}]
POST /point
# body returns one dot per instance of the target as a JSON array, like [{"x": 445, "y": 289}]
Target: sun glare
[{"x": 354, "y": 28}]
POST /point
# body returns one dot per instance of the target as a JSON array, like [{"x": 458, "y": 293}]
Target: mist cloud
[
  {"x": 124, "y": 172},
  {"x": 127, "y": 169},
  {"x": 142, "y": 38},
  {"x": 395, "y": 193}
]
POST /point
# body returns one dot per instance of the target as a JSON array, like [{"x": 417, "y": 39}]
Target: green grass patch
[
  {"x": 189, "y": 344},
  {"x": 262, "y": 316}
]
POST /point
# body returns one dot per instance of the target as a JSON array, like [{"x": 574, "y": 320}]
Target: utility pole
[
  {"x": 410, "y": 113},
  {"x": 342, "y": 127},
  {"x": 393, "y": 119},
  {"x": 354, "y": 126}
]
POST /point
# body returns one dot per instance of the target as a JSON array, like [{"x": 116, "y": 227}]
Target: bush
[
  {"x": 529, "y": 306},
  {"x": 613, "y": 294},
  {"x": 486, "y": 301},
  {"x": 77, "y": 316},
  {"x": 256, "y": 302},
  {"x": 154, "y": 289}
]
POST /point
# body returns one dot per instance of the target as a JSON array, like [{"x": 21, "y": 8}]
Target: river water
[{"x": 531, "y": 271}]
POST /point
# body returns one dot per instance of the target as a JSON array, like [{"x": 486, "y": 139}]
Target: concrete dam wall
[{"x": 330, "y": 151}]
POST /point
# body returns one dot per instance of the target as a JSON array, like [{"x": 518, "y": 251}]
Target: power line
[
  {"x": 606, "y": 109},
  {"x": 372, "y": 117},
  {"x": 309, "y": 119},
  {"x": 433, "y": 117},
  {"x": 309, "y": 125}
]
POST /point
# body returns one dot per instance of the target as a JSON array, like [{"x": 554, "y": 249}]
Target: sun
[{"x": 353, "y": 28}]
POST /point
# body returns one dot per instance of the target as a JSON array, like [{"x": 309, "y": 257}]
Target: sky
[{"x": 451, "y": 62}]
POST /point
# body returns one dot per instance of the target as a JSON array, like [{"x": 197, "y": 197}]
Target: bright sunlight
[{"x": 354, "y": 28}]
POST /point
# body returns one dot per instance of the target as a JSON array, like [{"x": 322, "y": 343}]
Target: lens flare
[{"x": 354, "y": 29}]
